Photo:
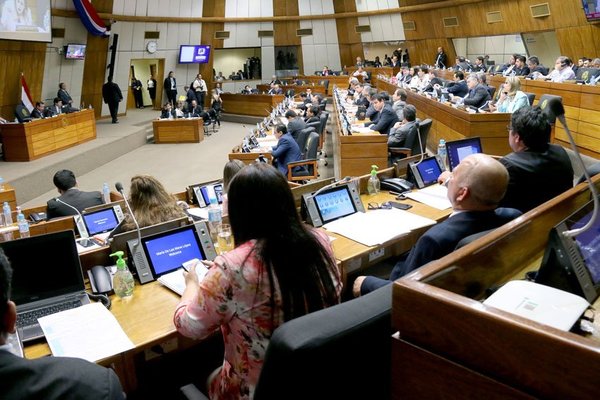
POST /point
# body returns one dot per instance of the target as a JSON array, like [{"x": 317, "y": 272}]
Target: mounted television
[
  {"x": 591, "y": 8},
  {"x": 573, "y": 264},
  {"x": 194, "y": 54},
  {"x": 75, "y": 51},
  {"x": 26, "y": 20}
]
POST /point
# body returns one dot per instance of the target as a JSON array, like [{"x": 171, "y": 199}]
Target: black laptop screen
[{"x": 44, "y": 266}]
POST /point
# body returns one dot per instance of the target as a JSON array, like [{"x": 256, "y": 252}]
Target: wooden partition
[
  {"x": 316, "y": 89},
  {"x": 181, "y": 130},
  {"x": 259, "y": 105},
  {"x": 449, "y": 344}
]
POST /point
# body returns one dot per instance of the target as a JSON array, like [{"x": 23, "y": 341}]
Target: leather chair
[
  {"x": 22, "y": 113},
  {"x": 593, "y": 169},
  {"x": 302, "y": 137},
  {"x": 546, "y": 104},
  {"x": 530, "y": 97},
  {"x": 491, "y": 90},
  {"x": 413, "y": 146},
  {"x": 309, "y": 162}
]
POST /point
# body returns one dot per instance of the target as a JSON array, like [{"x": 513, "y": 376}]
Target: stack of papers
[
  {"x": 361, "y": 129},
  {"x": 175, "y": 281},
  {"x": 435, "y": 196}
]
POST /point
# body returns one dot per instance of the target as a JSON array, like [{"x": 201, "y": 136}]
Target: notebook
[{"x": 47, "y": 278}]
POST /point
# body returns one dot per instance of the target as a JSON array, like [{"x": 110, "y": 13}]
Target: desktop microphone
[
  {"x": 332, "y": 184},
  {"x": 119, "y": 188},
  {"x": 78, "y": 219},
  {"x": 558, "y": 109}
]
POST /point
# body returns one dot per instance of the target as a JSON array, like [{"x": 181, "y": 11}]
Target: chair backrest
[
  {"x": 323, "y": 104},
  {"x": 593, "y": 169},
  {"x": 412, "y": 141},
  {"x": 546, "y": 103},
  {"x": 324, "y": 116},
  {"x": 492, "y": 91},
  {"x": 314, "y": 356},
  {"x": 290, "y": 93},
  {"x": 302, "y": 137},
  {"x": 22, "y": 113},
  {"x": 585, "y": 74},
  {"x": 316, "y": 125},
  {"x": 530, "y": 97}
]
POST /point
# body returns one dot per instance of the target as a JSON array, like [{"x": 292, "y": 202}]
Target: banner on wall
[{"x": 90, "y": 19}]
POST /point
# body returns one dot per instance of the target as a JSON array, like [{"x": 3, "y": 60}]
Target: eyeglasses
[{"x": 382, "y": 206}]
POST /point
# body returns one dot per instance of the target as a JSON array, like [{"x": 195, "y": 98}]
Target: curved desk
[{"x": 258, "y": 105}]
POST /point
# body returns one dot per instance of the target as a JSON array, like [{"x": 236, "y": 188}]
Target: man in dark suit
[
  {"x": 65, "y": 182},
  {"x": 521, "y": 68},
  {"x": 535, "y": 69},
  {"x": 385, "y": 118},
  {"x": 460, "y": 87},
  {"x": 286, "y": 150},
  {"x": 441, "y": 59},
  {"x": 295, "y": 123},
  {"x": 405, "y": 128},
  {"x": 65, "y": 97},
  {"x": 46, "y": 377},
  {"x": 57, "y": 107},
  {"x": 39, "y": 110},
  {"x": 170, "y": 86},
  {"x": 136, "y": 87},
  {"x": 478, "y": 94},
  {"x": 111, "y": 93},
  {"x": 475, "y": 188}
]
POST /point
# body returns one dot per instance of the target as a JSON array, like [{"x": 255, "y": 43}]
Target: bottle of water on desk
[
  {"x": 7, "y": 214},
  {"x": 105, "y": 193},
  {"x": 442, "y": 151},
  {"x": 22, "y": 223},
  {"x": 214, "y": 219}
]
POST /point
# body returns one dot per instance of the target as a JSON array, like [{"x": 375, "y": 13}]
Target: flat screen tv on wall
[
  {"x": 194, "y": 54},
  {"x": 591, "y": 8},
  {"x": 27, "y": 20}
]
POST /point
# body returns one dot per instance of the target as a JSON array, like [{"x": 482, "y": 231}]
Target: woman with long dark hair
[{"x": 279, "y": 270}]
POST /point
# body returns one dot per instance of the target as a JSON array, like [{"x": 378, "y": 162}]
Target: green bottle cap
[{"x": 120, "y": 262}]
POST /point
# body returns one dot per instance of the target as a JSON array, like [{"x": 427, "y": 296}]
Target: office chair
[
  {"x": 502, "y": 211},
  {"x": 302, "y": 136},
  {"x": 412, "y": 145},
  {"x": 309, "y": 163},
  {"x": 593, "y": 169},
  {"x": 491, "y": 90},
  {"x": 530, "y": 97},
  {"x": 324, "y": 116},
  {"x": 22, "y": 113},
  {"x": 545, "y": 104}
]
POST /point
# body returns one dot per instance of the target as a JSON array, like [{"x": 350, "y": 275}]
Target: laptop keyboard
[{"x": 31, "y": 317}]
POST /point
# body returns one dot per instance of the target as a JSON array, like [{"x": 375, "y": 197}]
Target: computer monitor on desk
[
  {"x": 460, "y": 149},
  {"x": 331, "y": 204},
  {"x": 119, "y": 241}
]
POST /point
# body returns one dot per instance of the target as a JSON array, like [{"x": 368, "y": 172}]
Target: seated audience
[
  {"x": 404, "y": 129},
  {"x": 47, "y": 378},
  {"x": 275, "y": 89},
  {"x": 57, "y": 107},
  {"x": 508, "y": 68},
  {"x": 521, "y": 68},
  {"x": 511, "y": 97},
  {"x": 231, "y": 168},
  {"x": 478, "y": 94},
  {"x": 459, "y": 88},
  {"x": 360, "y": 72},
  {"x": 295, "y": 123},
  {"x": 312, "y": 115},
  {"x": 66, "y": 184},
  {"x": 279, "y": 270},
  {"x": 39, "y": 111},
  {"x": 421, "y": 79},
  {"x": 562, "y": 71},
  {"x": 475, "y": 188},
  {"x": 535, "y": 68},
  {"x": 179, "y": 111},
  {"x": 479, "y": 65},
  {"x": 399, "y": 97},
  {"x": 167, "y": 111},
  {"x": 462, "y": 64},
  {"x": 286, "y": 150},
  {"x": 326, "y": 71},
  {"x": 385, "y": 118},
  {"x": 246, "y": 90}
]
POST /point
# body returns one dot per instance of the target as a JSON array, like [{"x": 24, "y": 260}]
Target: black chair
[
  {"x": 302, "y": 136},
  {"x": 491, "y": 90},
  {"x": 323, "y": 105},
  {"x": 290, "y": 93},
  {"x": 593, "y": 169},
  {"x": 316, "y": 125},
  {"x": 22, "y": 113},
  {"x": 309, "y": 163},
  {"x": 412, "y": 145},
  {"x": 530, "y": 97},
  {"x": 546, "y": 103},
  {"x": 584, "y": 75}
]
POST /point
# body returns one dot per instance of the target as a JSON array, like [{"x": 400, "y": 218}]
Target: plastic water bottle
[
  {"x": 123, "y": 282},
  {"x": 442, "y": 151},
  {"x": 373, "y": 184},
  {"x": 105, "y": 193},
  {"x": 7, "y": 214},
  {"x": 22, "y": 224},
  {"x": 214, "y": 218}
]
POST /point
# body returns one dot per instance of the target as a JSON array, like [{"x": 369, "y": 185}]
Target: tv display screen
[
  {"x": 26, "y": 20},
  {"x": 190, "y": 54},
  {"x": 75, "y": 51},
  {"x": 591, "y": 8}
]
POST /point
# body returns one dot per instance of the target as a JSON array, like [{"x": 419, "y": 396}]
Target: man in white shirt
[
  {"x": 562, "y": 71},
  {"x": 200, "y": 89}
]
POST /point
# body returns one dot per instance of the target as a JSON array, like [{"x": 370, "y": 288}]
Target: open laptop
[
  {"x": 47, "y": 278},
  {"x": 460, "y": 149}
]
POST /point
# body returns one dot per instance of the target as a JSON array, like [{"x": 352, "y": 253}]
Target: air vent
[
  {"x": 58, "y": 32},
  {"x": 409, "y": 25},
  {"x": 152, "y": 35},
  {"x": 304, "y": 32},
  {"x": 222, "y": 34},
  {"x": 362, "y": 28},
  {"x": 540, "y": 10},
  {"x": 265, "y": 33},
  {"x": 449, "y": 22},
  {"x": 493, "y": 17}
]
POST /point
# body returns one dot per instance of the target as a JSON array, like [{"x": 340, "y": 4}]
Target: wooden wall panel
[
  {"x": 211, "y": 8},
  {"x": 350, "y": 42},
  {"x": 284, "y": 33}
]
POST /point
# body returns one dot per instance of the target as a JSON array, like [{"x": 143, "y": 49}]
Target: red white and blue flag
[
  {"x": 25, "y": 95},
  {"x": 90, "y": 19}
]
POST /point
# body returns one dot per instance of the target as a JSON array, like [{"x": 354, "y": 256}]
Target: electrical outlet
[
  {"x": 161, "y": 349},
  {"x": 375, "y": 254}
]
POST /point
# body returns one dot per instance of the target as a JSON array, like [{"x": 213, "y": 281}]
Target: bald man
[{"x": 475, "y": 189}]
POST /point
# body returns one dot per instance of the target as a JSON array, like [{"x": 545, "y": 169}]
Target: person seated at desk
[
  {"x": 46, "y": 377},
  {"x": 479, "y": 65},
  {"x": 562, "y": 71},
  {"x": 57, "y": 107},
  {"x": 295, "y": 123},
  {"x": 511, "y": 97},
  {"x": 326, "y": 71},
  {"x": 521, "y": 68},
  {"x": 195, "y": 110},
  {"x": 150, "y": 203},
  {"x": 360, "y": 72},
  {"x": 190, "y": 95},
  {"x": 286, "y": 150},
  {"x": 312, "y": 115},
  {"x": 280, "y": 269},
  {"x": 275, "y": 81},
  {"x": 167, "y": 111},
  {"x": 459, "y": 88},
  {"x": 275, "y": 89},
  {"x": 535, "y": 68},
  {"x": 462, "y": 64},
  {"x": 179, "y": 111},
  {"x": 40, "y": 110},
  {"x": 66, "y": 184},
  {"x": 404, "y": 129},
  {"x": 399, "y": 102},
  {"x": 385, "y": 118},
  {"x": 421, "y": 80},
  {"x": 475, "y": 189},
  {"x": 247, "y": 90},
  {"x": 478, "y": 94}
]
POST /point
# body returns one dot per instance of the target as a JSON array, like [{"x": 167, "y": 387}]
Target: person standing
[
  {"x": 65, "y": 97},
  {"x": 151, "y": 84},
  {"x": 111, "y": 93},
  {"x": 170, "y": 86},
  {"x": 136, "y": 86},
  {"x": 440, "y": 58}
]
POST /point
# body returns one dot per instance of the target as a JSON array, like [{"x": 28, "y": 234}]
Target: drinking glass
[{"x": 225, "y": 238}]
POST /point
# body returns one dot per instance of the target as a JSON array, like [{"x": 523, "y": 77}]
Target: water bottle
[
  {"x": 373, "y": 184},
  {"x": 214, "y": 218},
  {"x": 105, "y": 193},
  {"x": 7, "y": 214},
  {"x": 123, "y": 282},
  {"x": 442, "y": 151},
  {"x": 22, "y": 224}
]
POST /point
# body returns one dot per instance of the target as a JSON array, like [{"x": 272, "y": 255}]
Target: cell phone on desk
[{"x": 400, "y": 206}]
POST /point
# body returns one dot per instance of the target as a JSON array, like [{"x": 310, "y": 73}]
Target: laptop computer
[
  {"x": 47, "y": 278},
  {"x": 460, "y": 149}
]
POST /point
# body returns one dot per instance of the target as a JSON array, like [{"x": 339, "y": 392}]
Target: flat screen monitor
[
  {"x": 26, "y": 20},
  {"x": 75, "y": 51},
  {"x": 204, "y": 192},
  {"x": 573, "y": 264},
  {"x": 427, "y": 171},
  {"x": 167, "y": 251},
  {"x": 194, "y": 54},
  {"x": 101, "y": 221},
  {"x": 459, "y": 149},
  {"x": 119, "y": 241},
  {"x": 335, "y": 203},
  {"x": 591, "y": 8}
]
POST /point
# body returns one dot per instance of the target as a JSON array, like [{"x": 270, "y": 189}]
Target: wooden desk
[
  {"x": 180, "y": 130},
  {"x": 449, "y": 344},
  {"x": 334, "y": 80},
  {"x": 259, "y": 105},
  {"x": 315, "y": 89},
  {"x": 38, "y": 138}
]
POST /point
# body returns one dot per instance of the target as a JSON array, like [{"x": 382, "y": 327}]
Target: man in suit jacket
[
  {"x": 65, "y": 182},
  {"x": 286, "y": 150},
  {"x": 46, "y": 377},
  {"x": 295, "y": 123},
  {"x": 65, "y": 97},
  {"x": 386, "y": 117},
  {"x": 401, "y": 131},
  {"x": 111, "y": 93},
  {"x": 399, "y": 97},
  {"x": 170, "y": 86},
  {"x": 39, "y": 110},
  {"x": 58, "y": 107},
  {"x": 460, "y": 87},
  {"x": 478, "y": 94},
  {"x": 475, "y": 188},
  {"x": 441, "y": 59}
]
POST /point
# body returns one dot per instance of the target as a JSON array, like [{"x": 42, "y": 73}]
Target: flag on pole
[
  {"x": 90, "y": 18},
  {"x": 25, "y": 95}
]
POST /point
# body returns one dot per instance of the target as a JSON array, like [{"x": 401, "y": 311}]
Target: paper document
[
  {"x": 377, "y": 226},
  {"x": 90, "y": 332},
  {"x": 435, "y": 196},
  {"x": 361, "y": 129},
  {"x": 198, "y": 212},
  {"x": 175, "y": 281}
]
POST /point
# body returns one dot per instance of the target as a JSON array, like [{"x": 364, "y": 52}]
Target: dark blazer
[
  {"x": 459, "y": 89},
  {"x": 111, "y": 93},
  {"x": 64, "y": 96},
  {"x": 285, "y": 152},
  {"x": 167, "y": 84},
  {"x": 165, "y": 113},
  {"x": 385, "y": 119},
  {"x": 190, "y": 95},
  {"x": 295, "y": 125},
  {"x": 75, "y": 197},
  {"x": 536, "y": 177},
  {"x": 522, "y": 71},
  {"x": 35, "y": 113},
  {"x": 362, "y": 101},
  {"x": 56, "y": 378},
  {"x": 440, "y": 60},
  {"x": 398, "y": 136},
  {"x": 477, "y": 96}
]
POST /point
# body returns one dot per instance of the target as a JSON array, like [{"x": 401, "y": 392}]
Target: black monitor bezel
[
  {"x": 330, "y": 190},
  {"x": 458, "y": 143}
]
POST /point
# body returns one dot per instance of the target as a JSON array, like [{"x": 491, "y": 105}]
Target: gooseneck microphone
[
  {"x": 119, "y": 188},
  {"x": 78, "y": 219},
  {"x": 340, "y": 182}
]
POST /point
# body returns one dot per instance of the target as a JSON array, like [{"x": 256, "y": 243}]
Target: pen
[{"x": 185, "y": 268}]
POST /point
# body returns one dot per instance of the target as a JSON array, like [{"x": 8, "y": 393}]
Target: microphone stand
[
  {"x": 78, "y": 221},
  {"x": 119, "y": 188}
]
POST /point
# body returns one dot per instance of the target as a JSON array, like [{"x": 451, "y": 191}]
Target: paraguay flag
[
  {"x": 90, "y": 19},
  {"x": 25, "y": 95}
]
